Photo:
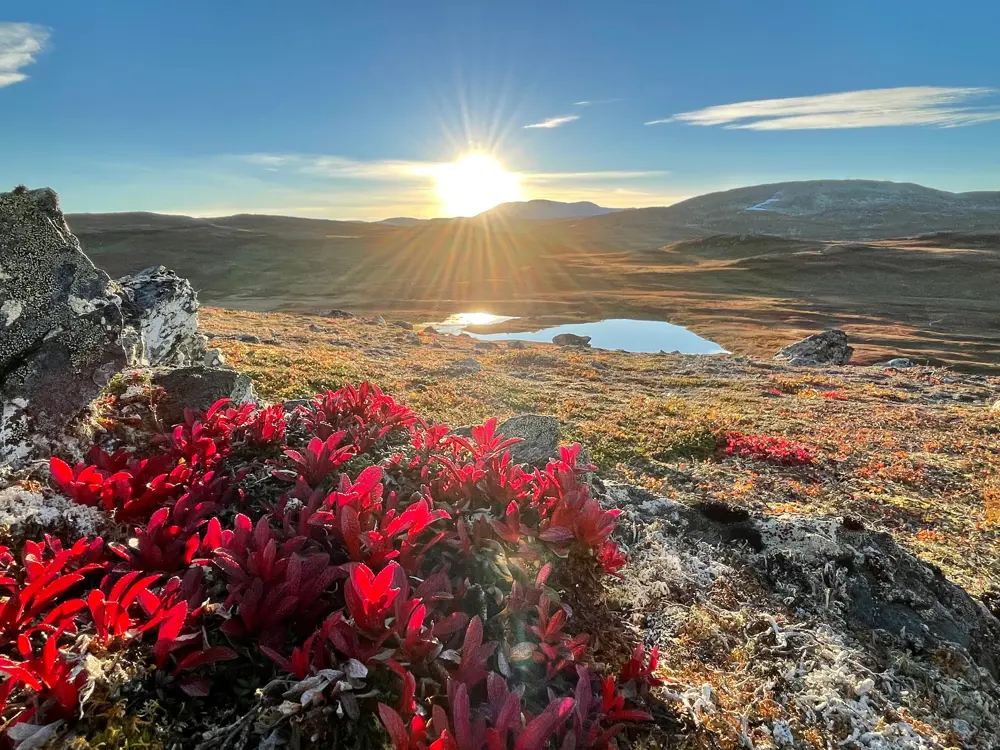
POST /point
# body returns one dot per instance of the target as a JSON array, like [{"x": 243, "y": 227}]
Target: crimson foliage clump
[
  {"x": 767, "y": 448},
  {"x": 379, "y": 564}
]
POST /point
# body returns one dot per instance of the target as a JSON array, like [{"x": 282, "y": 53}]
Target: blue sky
[{"x": 340, "y": 110}]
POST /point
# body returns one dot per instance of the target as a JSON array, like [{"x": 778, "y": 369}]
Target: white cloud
[
  {"x": 553, "y": 122},
  {"x": 871, "y": 108},
  {"x": 20, "y": 43},
  {"x": 590, "y": 102}
]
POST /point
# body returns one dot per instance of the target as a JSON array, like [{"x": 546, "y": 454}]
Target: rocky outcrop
[
  {"x": 60, "y": 323},
  {"x": 827, "y": 348},
  {"x": 571, "y": 339},
  {"x": 162, "y": 308},
  {"x": 198, "y": 388},
  {"x": 866, "y": 636}
]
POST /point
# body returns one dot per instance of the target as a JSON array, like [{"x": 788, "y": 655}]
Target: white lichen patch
[
  {"x": 10, "y": 311},
  {"x": 32, "y": 514},
  {"x": 81, "y": 306}
]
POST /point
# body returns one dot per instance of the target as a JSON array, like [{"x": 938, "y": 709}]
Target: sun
[{"x": 475, "y": 183}]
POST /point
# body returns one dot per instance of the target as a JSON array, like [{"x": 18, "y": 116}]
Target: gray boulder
[
  {"x": 343, "y": 314},
  {"x": 539, "y": 435},
  {"x": 516, "y": 344},
  {"x": 486, "y": 345},
  {"x": 571, "y": 339},
  {"x": 467, "y": 366},
  {"x": 213, "y": 358},
  {"x": 162, "y": 308},
  {"x": 827, "y": 348},
  {"x": 61, "y": 324},
  {"x": 198, "y": 388}
]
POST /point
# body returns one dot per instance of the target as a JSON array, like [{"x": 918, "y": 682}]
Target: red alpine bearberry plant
[{"x": 347, "y": 561}]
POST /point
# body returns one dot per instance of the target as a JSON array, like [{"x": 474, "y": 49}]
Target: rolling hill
[{"x": 908, "y": 270}]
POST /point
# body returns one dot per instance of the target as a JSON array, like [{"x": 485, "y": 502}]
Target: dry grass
[{"x": 900, "y": 453}]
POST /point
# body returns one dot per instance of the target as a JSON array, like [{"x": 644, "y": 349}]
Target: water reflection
[{"x": 615, "y": 333}]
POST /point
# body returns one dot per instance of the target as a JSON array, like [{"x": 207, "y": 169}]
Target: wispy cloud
[
  {"x": 553, "y": 122},
  {"x": 592, "y": 102},
  {"x": 871, "y": 108},
  {"x": 20, "y": 43}
]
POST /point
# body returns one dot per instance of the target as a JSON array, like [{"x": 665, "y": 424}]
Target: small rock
[
  {"x": 516, "y": 344},
  {"x": 466, "y": 366},
  {"x": 198, "y": 388},
  {"x": 412, "y": 338},
  {"x": 405, "y": 324},
  {"x": 379, "y": 321},
  {"x": 540, "y": 438},
  {"x": 571, "y": 339},
  {"x": 598, "y": 365},
  {"x": 315, "y": 328},
  {"x": 293, "y": 404},
  {"x": 486, "y": 345},
  {"x": 248, "y": 339},
  {"x": 337, "y": 342},
  {"x": 962, "y": 729},
  {"x": 899, "y": 362},
  {"x": 432, "y": 330},
  {"x": 335, "y": 313},
  {"x": 827, "y": 348},
  {"x": 162, "y": 309},
  {"x": 214, "y": 358}
]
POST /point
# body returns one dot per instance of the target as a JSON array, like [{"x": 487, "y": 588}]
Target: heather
[{"x": 343, "y": 572}]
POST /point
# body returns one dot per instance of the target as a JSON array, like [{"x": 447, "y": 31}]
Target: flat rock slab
[
  {"x": 197, "y": 388},
  {"x": 60, "y": 323}
]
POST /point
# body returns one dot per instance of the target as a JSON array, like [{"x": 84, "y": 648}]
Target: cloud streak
[
  {"x": 871, "y": 108},
  {"x": 592, "y": 102},
  {"x": 553, "y": 122},
  {"x": 20, "y": 43}
]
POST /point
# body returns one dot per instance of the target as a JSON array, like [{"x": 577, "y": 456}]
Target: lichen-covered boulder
[
  {"x": 198, "y": 388},
  {"x": 826, "y": 348},
  {"x": 539, "y": 436},
  {"x": 162, "y": 308},
  {"x": 60, "y": 323}
]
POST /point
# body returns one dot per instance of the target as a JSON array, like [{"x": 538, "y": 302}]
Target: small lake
[{"x": 614, "y": 333}]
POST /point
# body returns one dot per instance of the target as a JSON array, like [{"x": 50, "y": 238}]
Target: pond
[{"x": 614, "y": 333}]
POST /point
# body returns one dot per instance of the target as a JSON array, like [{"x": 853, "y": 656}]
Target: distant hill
[
  {"x": 543, "y": 210},
  {"x": 401, "y": 221},
  {"x": 854, "y": 210},
  {"x": 744, "y": 267}
]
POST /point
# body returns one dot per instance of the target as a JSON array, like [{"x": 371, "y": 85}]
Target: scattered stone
[
  {"x": 61, "y": 324},
  {"x": 378, "y": 351},
  {"x": 486, "y": 345},
  {"x": 162, "y": 309},
  {"x": 404, "y": 324},
  {"x": 827, "y": 348},
  {"x": 214, "y": 358},
  {"x": 315, "y": 328},
  {"x": 516, "y": 344},
  {"x": 411, "y": 338},
  {"x": 198, "y": 388},
  {"x": 571, "y": 339},
  {"x": 900, "y": 363},
  {"x": 467, "y": 366},
  {"x": 432, "y": 330},
  {"x": 598, "y": 365},
  {"x": 338, "y": 342},
  {"x": 248, "y": 339},
  {"x": 335, "y": 313},
  {"x": 379, "y": 321}
]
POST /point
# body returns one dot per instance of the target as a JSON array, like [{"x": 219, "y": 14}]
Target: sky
[{"x": 348, "y": 110}]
